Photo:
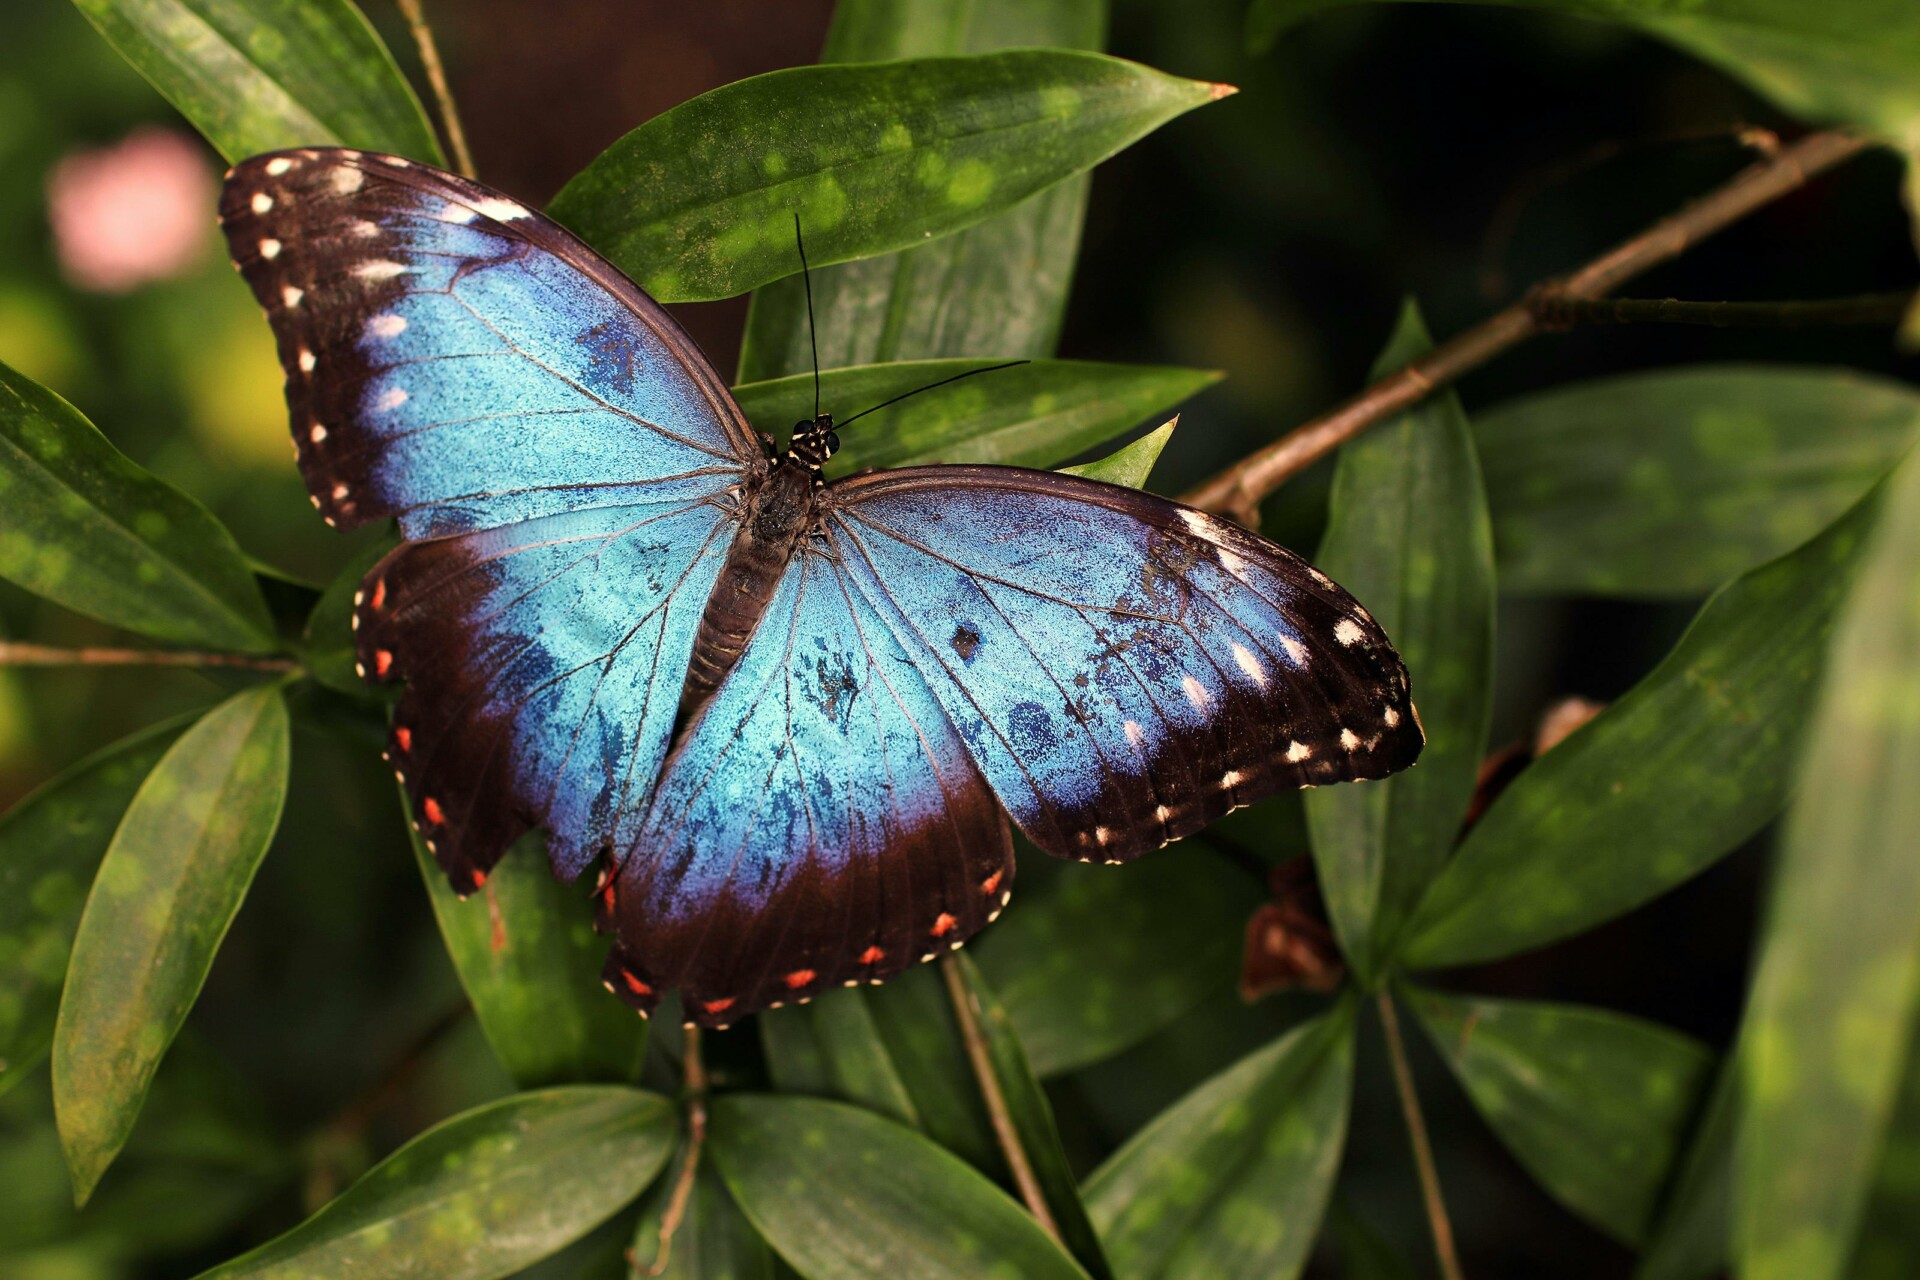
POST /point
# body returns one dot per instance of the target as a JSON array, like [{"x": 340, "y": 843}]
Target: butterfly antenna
[
  {"x": 992, "y": 368},
  {"x": 813, "y": 334}
]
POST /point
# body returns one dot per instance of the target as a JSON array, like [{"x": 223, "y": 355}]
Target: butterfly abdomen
[{"x": 777, "y": 516}]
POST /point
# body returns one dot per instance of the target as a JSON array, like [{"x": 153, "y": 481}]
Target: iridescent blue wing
[
  {"x": 460, "y": 361},
  {"x": 1122, "y": 669},
  {"x": 820, "y": 823},
  {"x": 560, "y": 456}
]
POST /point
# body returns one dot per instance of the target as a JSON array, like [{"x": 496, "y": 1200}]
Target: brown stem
[
  {"x": 1239, "y": 490},
  {"x": 17, "y": 654},
  {"x": 1437, "y": 1219},
  {"x": 967, "y": 1013},
  {"x": 437, "y": 77},
  {"x": 1559, "y": 312},
  {"x": 694, "y": 1076}
]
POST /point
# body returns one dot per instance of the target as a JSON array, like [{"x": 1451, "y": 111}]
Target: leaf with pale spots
[
  {"x": 699, "y": 202},
  {"x": 50, "y": 844},
  {"x": 1596, "y": 1105},
  {"x": 526, "y": 952},
  {"x": 1232, "y": 1180},
  {"x": 1832, "y": 1011},
  {"x": 1408, "y": 535},
  {"x": 1693, "y": 760},
  {"x": 169, "y": 886},
  {"x": 89, "y": 530},
  {"x": 843, "y": 1194},
  {"x": 1131, "y": 464},
  {"x": 261, "y": 75},
  {"x": 1033, "y": 415},
  {"x": 713, "y": 1241},
  {"x": 997, "y": 288},
  {"x": 483, "y": 1194},
  {"x": 1693, "y": 1237},
  {"x": 1669, "y": 483}
]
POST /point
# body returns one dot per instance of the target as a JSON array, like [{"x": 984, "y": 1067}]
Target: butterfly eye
[{"x": 833, "y": 443}]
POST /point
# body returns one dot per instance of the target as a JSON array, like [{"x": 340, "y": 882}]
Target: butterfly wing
[
  {"x": 820, "y": 824},
  {"x": 462, "y": 362},
  {"x": 560, "y": 456},
  {"x": 1122, "y": 669}
]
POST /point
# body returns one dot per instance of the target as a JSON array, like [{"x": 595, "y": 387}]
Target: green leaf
[
  {"x": 89, "y": 530},
  {"x": 1232, "y": 1180},
  {"x": 527, "y": 954},
  {"x": 1364, "y": 1253},
  {"x": 1407, "y": 534},
  {"x": 842, "y": 1194},
  {"x": 714, "y": 1240},
  {"x": 1694, "y": 1234},
  {"x": 1889, "y": 1239},
  {"x": 1832, "y": 1009},
  {"x": 50, "y": 845},
  {"x": 169, "y": 886},
  {"x": 699, "y": 202},
  {"x": 328, "y": 642},
  {"x": 1856, "y": 62},
  {"x": 1092, "y": 960},
  {"x": 1595, "y": 1104},
  {"x": 1130, "y": 465},
  {"x": 483, "y": 1194},
  {"x": 832, "y": 1047},
  {"x": 997, "y": 288},
  {"x": 261, "y": 75},
  {"x": 1033, "y": 416},
  {"x": 1032, "y": 1118},
  {"x": 1690, "y": 763},
  {"x": 1670, "y": 483}
]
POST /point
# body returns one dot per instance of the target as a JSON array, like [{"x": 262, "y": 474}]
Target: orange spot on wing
[
  {"x": 992, "y": 882},
  {"x": 479, "y": 878},
  {"x": 800, "y": 978},
  {"x": 717, "y": 1006},
  {"x": 943, "y": 925},
  {"x": 379, "y": 593},
  {"x": 403, "y": 738},
  {"x": 636, "y": 986},
  {"x": 872, "y": 955},
  {"x": 435, "y": 814},
  {"x": 382, "y": 661}
]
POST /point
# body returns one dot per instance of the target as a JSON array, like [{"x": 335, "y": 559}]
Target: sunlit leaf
[
  {"x": 483, "y": 1194},
  {"x": 1669, "y": 483},
  {"x": 1407, "y": 534},
  {"x": 50, "y": 845},
  {"x": 844, "y": 1194},
  {"x": 1130, "y": 465},
  {"x": 1692, "y": 761},
  {"x": 168, "y": 888},
  {"x": 88, "y": 529},
  {"x": 1596, "y": 1105},
  {"x": 1831, "y": 1014},
  {"x": 1232, "y": 1180},
  {"x": 700, "y": 202},
  {"x": 1033, "y": 415},
  {"x": 997, "y": 288},
  {"x": 260, "y": 75}
]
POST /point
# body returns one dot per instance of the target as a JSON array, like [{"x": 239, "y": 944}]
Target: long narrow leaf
[
  {"x": 169, "y": 886},
  {"x": 88, "y": 529},
  {"x": 700, "y": 202},
  {"x": 1832, "y": 1011},
  {"x": 714, "y": 1240}
]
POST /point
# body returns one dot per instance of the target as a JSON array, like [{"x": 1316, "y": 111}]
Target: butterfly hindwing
[
  {"x": 820, "y": 824},
  {"x": 460, "y": 361},
  {"x": 1123, "y": 669}
]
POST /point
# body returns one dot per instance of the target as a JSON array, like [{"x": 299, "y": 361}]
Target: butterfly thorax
[{"x": 778, "y": 512}]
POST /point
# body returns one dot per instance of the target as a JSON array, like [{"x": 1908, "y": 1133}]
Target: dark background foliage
[{"x": 1453, "y": 155}]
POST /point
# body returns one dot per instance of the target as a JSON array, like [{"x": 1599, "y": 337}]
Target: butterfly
[{"x": 786, "y": 719}]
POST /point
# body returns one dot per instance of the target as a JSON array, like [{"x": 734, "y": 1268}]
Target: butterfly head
[{"x": 814, "y": 442}]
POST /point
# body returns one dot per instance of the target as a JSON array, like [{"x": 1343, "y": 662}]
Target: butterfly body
[{"x": 788, "y": 719}]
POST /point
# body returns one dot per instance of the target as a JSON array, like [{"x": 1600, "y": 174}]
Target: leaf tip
[{"x": 1215, "y": 92}]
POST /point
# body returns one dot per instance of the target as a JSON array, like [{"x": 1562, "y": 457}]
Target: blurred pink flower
[{"x": 136, "y": 211}]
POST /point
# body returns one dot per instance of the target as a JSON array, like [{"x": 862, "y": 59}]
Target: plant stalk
[
  {"x": 437, "y": 77},
  {"x": 1437, "y": 1220},
  {"x": 980, "y": 1057},
  {"x": 17, "y": 654},
  {"x": 1239, "y": 489},
  {"x": 694, "y": 1077},
  {"x": 1559, "y": 312}
]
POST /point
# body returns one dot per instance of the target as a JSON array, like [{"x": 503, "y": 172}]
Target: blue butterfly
[{"x": 786, "y": 718}]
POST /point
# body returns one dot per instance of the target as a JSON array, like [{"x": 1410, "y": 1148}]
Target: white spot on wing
[
  {"x": 1163, "y": 813},
  {"x": 318, "y": 433},
  {"x": 1349, "y": 739},
  {"x": 393, "y": 398},
  {"x": 1347, "y": 632},
  {"x": 380, "y": 269},
  {"x": 499, "y": 210},
  {"x": 1298, "y": 751},
  {"x": 387, "y": 325},
  {"x": 366, "y": 230},
  {"x": 269, "y": 249},
  {"x": 291, "y": 295},
  {"x": 1135, "y": 734},
  {"x": 1195, "y": 691},
  {"x": 347, "y": 180},
  {"x": 339, "y": 491},
  {"x": 1232, "y": 563},
  {"x": 1230, "y": 779},
  {"x": 307, "y": 360},
  {"x": 1249, "y": 664},
  {"x": 1296, "y": 652},
  {"x": 279, "y": 166},
  {"x": 1392, "y": 717},
  {"x": 262, "y": 202}
]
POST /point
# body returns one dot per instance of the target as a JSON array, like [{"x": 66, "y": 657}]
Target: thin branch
[
  {"x": 694, "y": 1077},
  {"x": 1239, "y": 490},
  {"x": 17, "y": 654},
  {"x": 981, "y": 1058},
  {"x": 1437, "y": 1219},
  {"x": 437, "y": 77},
  {"x": 1875, "y": 309}
]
